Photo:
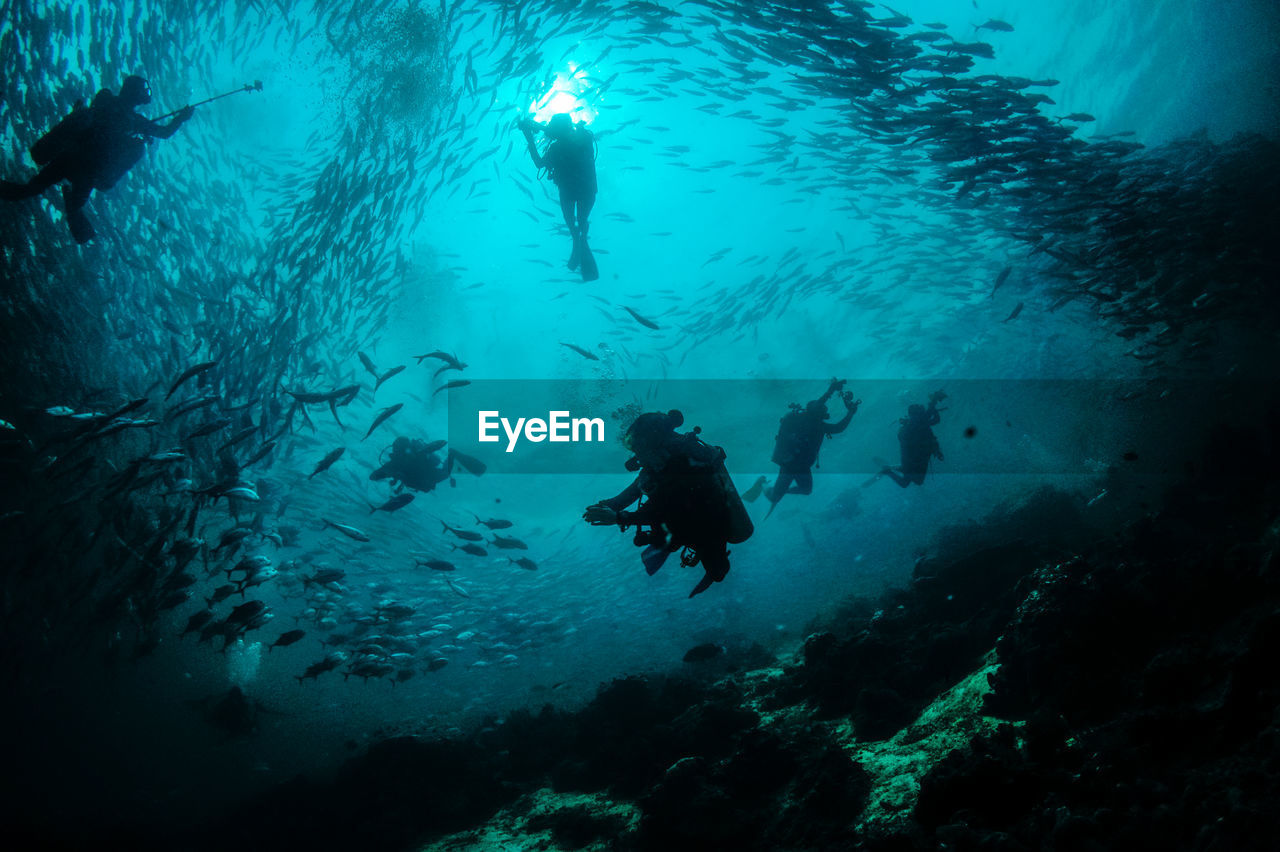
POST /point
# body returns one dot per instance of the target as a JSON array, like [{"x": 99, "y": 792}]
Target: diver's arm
[
  {"x": 631, "y": 494},
  {"x": 148, "y": 127},
  {"x": 642, "y": 515},
  {"x": 538, "y": 159},
  {"x": 836, "y": 384},
  {"x": 610, "y": 511},
  {"x": 934, "y": 417},
  {"x": 840, "y": 425},
  {"x": 850, "y": 409}
]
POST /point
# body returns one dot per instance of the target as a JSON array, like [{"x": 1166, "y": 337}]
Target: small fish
[
  {"x": 494, "y": 523},
  {"x": 220, "y": 594},
  {"x": 473, "y": 549},
  {"x": 196, "y": 622},
  {"x": 505, "y": 543},
  {"x": 590, "y": 356},
  {"x": 397, "y": 502},
  {"x": 460, "y": 383},
  {"x": 1017, "y": 310},
  {"x": 452, "y": 360},
  {"x": 190, "y": 372},
  {"x": 465, "y": 535},
  {"x": 704, "y": 652},
  {"x": 324, "y": 576},
  {"x": 260, "y": 454},
  {"x": 647, "y": 323},
  {"x": 368, "y": 364},
  {"x": 242, "y": 492},
  {"x": 349, "y": 532},
  {"x": 127, "y": 407},
  {"x": 524, "y": 562},
  {"x": 382, "y": 417},
  {"x": 437, "y": 564},
  {"x": 443, "y": 369},
  {"x": 287, "y": 639},
  {"x": 242, "y": 435},
  {"x": 437, "y": 664},
  {"x": 388, "y": 374},
  {"x": 1077, "y": 116},
  {"x": 328, "y": 460},
  {"x": 1001, "y": 278},
  {"x": 995, "y": 26},
  {"x": 209, "y": 428}
]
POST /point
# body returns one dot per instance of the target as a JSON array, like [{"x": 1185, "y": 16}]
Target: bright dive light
[{"x": 569, "y": 93}]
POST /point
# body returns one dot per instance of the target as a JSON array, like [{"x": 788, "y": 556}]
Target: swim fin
[
  {"x": 771, "y": 508},
  {"x": 575, "y": 259},
  {"x": 653, "y": 557},
  {"x": 880, "y": 463},
  {"x": 590, "y": 272},
  {"x": 756, "y": 489},
  {"x": 468, "y": 463}
]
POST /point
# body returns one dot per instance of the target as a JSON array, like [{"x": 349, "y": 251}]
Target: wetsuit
[
  {"x": 96, "y": 158},
  {"x": 917, "y": 444},
  {"x": 800, "y": 437}
]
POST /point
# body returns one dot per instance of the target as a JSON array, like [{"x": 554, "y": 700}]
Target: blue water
[{"x": 382, "y": 194}]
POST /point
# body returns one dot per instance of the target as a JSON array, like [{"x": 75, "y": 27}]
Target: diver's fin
[
  {"x": 880, "y": 463},
  {"x": 653, "y": 557},
  {"x": 703, "y": 585},
  {"x": 470, "y": 464},
  {"x": 575, "y": 259},
  {"x": 756, "y": 489},
  {"x": 771, "y": 508},
  {"x": 590, "y": 272}
]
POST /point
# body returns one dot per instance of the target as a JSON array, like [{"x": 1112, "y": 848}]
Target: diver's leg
[
  {"x": 804, "y": 483},
  {"x": 75, "y": 196},
  {"x": 584, "y": 215},
  {"x": 715, "y": 568},
  {"x": 45, "y": 178},
  {"x": 779, "y": 486},
  {"x": 566, "y": 210},
  {"x": 717, "y": 564},
  {"x": 902, "y": 481}
]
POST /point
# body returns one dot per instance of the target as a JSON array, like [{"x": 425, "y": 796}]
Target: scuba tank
[
  {"x": 784, "y": 443},
  {"x": 63, "y": 136},
  {"x": 738, "y": 527}
]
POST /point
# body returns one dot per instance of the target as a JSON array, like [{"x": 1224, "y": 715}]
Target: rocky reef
[{"x": 1039, "y": 684}]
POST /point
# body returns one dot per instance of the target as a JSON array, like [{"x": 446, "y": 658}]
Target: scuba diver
[
  {"x": 800, "y": 434},
  {"x": 688, "y": 499},
  {"x": 93, "y": 148},
  {"x": 570, "y": 160},
  {"x": 917, "y": 442},
  {"x": 414, "y": 464},
  {"x": 232, "y": 712}
]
